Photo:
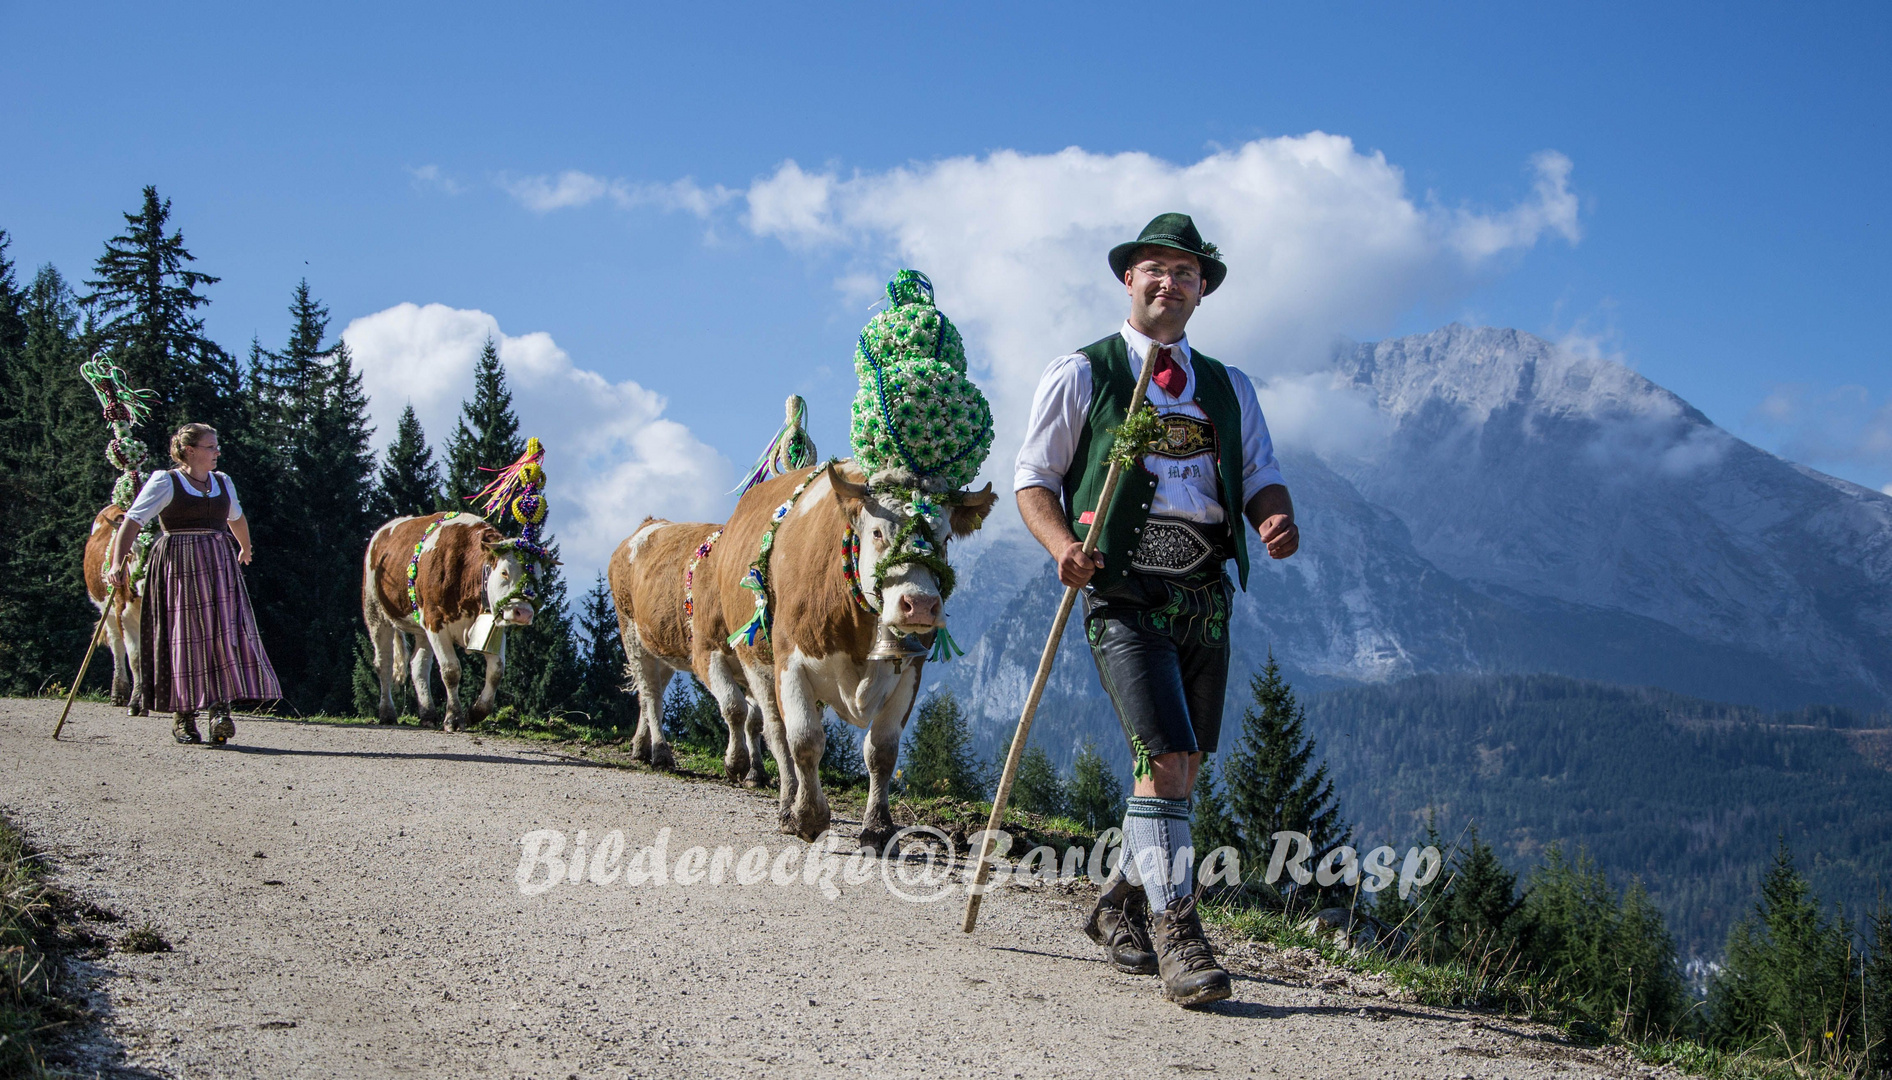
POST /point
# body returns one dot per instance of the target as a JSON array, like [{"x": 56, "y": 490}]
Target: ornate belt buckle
[{"x": 1171, "y": 548}]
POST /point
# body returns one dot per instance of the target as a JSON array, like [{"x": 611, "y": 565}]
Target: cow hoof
[
  {"x": 875, "y": 840},
  {"x": 119, "y": 701},
  {"x": 640, "y": 753},
  {"x": 451, "y": 723},
  {"x": 662, "y": 757},
  {"x": 756, "y": 779}
]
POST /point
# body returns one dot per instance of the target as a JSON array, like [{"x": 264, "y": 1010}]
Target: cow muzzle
[
  {"x": 517, "y": 614},
  {"x": 912, "y": 611}
]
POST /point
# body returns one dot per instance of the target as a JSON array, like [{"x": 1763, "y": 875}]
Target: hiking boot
[
  {"x": 184, "y": 728},
  {"x": 222, "y": 728},
  {"x": 1191, "y": 977},
  {"x": 1121, "y": 925}
]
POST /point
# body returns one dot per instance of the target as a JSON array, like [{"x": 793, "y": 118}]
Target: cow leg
[
  {"x": 449, "y": 658},
  {"x": 115, "y": 641},
  {"x": 738, "y": 765},
  {"x": 808, "y": 815},
  {"x": 652, "y": 677},
  {"x": 761, "y": 679},
  {"x": 880, "y": 753},
  {"x": 488, "y": 702},
  {"x": 420, "y": 670},
  {"x": 131, "y": 632},
  {"x": 758, "y": 776},
  {"x": 382, "y": 633}
]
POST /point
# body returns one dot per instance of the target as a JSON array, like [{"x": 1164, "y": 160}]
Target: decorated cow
[
  {"x": 650, "y": 575},
  {"x": 126, "y": 609},
  {"x": 435, "y": 583},
  {"x": 828, "y": 580}
]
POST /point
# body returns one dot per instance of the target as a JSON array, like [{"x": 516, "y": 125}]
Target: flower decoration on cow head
[
  {"x": 918, "y": 421},
  {"x": 124, "y": 409},
  {"x": 518, "y": 491}
]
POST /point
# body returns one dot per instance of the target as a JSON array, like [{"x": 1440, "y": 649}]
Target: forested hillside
[{"x": 1690, "y": 796}]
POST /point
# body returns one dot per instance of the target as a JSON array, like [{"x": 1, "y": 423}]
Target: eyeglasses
[{"x": 1181, "y": 275}]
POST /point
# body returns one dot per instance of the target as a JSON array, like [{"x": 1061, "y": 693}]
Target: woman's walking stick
[
  {"x": 982, "y": 869},
  {"x": 97, "y": 631}
]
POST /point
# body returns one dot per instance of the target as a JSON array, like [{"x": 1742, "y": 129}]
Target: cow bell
[{"x": 891, "y": 646}]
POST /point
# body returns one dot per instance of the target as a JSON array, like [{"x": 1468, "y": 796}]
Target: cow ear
[
  {"x": 850, "y": 495},
  {"x": 970, "y": 513}
]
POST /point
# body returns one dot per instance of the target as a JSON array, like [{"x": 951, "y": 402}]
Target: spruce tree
[
  {"x": 1095, "y": 795},
  {"x": 487, "y": 435},
  {"x": 1480, "y": 903},
  {"x": 409, "y": 482},
  {"x": 938, "y": 757},
  {"x": 1210, "y": 825},
  {"x": 309, "y": 508},
  {"x": 55, "y": 479},
  {"x": 1790, "y": 978},
  {"x": 1271, "y": 781},
  {"x": 1876, "y": 1018},
  {"x": 146, "y": 298},
  {"x": 1038, "y": 789},
  {"x": 602, "y": 694}
]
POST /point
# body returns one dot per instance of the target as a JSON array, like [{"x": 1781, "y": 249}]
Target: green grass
[
  {"x": 1492, "y": 983},
  {"x": 31, "y": 1009}
]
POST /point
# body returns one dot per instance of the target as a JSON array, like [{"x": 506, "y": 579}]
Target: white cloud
[
  {"x": 611, "y": 457},
  {"x": 543, "y": 194},
  {"x": 1553, "y": 209},
  {"x": 1321, "y": 239},
  {"x": 431, "y": 177},
  {"x": 1828, "y": 428}
]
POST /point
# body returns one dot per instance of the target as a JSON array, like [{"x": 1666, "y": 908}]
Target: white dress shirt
[
  {"x": 1185, "y": 488},
  {"x": 158, "y": 492}
]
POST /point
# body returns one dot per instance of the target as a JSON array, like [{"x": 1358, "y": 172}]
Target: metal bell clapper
[{"x": 891, "y": 646}]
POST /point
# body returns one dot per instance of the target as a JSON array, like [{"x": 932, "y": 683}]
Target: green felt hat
[{"x": 1173, "y": 231}]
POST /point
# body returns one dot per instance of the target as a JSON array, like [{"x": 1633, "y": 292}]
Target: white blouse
[{"x": 158, "y": 491}]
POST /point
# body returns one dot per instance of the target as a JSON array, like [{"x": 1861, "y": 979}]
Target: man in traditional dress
[{"x": 1156, "y": 598}]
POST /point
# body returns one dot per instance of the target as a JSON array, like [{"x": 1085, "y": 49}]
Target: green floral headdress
[{"x": 919, "y": 422}]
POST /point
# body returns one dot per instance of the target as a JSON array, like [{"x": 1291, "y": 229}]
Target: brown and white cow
[
  {"x": 647, "y": 585},
  {"x": 463, "y": 571},
  {"x": 817, "y": 650},
  {"x": 122, "y": 623}
]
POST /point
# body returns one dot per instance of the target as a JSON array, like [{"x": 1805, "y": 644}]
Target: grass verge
[
  {"x": 1489, "y": 984},
  {"x": 34, "y": 935}
]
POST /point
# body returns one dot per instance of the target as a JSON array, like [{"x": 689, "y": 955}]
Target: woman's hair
[{"x": 188, "y": 435}]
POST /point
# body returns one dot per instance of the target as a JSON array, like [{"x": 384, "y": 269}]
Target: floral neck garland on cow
[
  {"x": 921, "y": 430},
  {"x": 124, "y": 409}
]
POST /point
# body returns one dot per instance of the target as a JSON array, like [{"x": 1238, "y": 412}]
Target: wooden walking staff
[
  {"x": 97, "y": 632},
  {"x": 982, "y": 869}
]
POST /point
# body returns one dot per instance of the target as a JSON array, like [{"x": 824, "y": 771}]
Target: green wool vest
[{"x": 1113, "y": 381}]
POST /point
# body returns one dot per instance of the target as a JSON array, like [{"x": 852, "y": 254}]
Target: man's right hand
[{"x": 1075, "y": 568}]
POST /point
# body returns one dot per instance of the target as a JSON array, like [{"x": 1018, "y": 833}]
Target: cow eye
[{"x": 878, "y": 535}]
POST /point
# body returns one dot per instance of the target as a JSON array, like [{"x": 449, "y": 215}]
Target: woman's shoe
[
  {"x": 222, "y": 728},
  {"x": 184, "y": 728}
]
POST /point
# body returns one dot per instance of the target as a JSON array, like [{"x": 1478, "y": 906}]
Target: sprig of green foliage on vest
[{"x": 1132, "y": 438}]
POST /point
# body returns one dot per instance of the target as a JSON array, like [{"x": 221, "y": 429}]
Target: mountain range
[{"x": 1521, "y": 508}]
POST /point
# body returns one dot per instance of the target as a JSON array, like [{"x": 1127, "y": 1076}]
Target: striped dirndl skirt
[{"x": 200, "y": 646}]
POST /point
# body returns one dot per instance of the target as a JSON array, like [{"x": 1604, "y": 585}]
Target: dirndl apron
[{"x": 200, "y": 646}]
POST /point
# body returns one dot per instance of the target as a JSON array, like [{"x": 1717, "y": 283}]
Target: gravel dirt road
[{"x": 344, "y": 901}]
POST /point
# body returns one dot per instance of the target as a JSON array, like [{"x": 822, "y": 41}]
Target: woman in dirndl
[{"x": 200, "y": 648}]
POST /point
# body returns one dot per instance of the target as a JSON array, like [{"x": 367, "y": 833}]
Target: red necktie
[{"x": 1169, "y": 374}]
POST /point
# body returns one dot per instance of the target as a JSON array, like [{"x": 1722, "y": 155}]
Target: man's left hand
[{"x": 1282, "y": 536}]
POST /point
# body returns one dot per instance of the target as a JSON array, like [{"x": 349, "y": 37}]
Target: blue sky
[{"x": 1718, "y": 219}]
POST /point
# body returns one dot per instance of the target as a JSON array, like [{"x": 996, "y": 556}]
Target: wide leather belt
[{"x": 1172, "y": 547}]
